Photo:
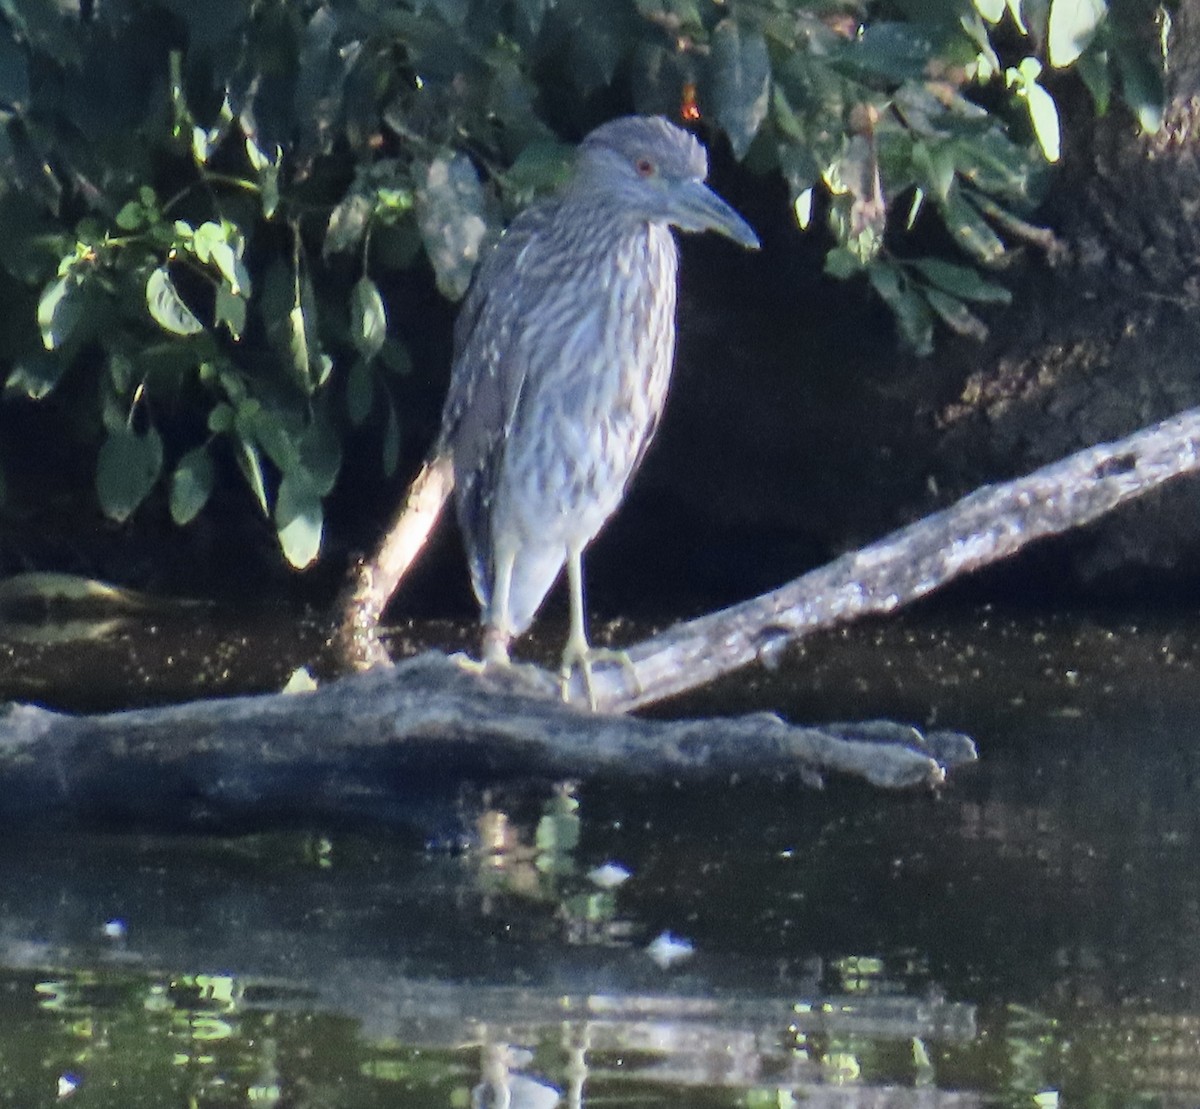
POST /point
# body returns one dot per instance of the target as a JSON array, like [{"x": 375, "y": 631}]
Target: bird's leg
[
  {"x": 496, "y": 631},
  {"x": 577, "y": 651}
]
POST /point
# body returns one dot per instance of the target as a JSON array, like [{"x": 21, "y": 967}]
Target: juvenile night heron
[{"x": 563, "y": 352}]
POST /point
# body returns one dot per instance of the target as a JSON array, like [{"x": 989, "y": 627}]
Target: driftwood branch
[
  {"x": 985, "y": 527},
  {"x": 388, "y": 744}
]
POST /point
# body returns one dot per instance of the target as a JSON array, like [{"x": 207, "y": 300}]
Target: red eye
[{"x": 645, "y": 167}]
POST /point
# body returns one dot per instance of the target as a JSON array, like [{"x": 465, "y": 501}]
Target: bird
[{"x": 562, "y": 356}]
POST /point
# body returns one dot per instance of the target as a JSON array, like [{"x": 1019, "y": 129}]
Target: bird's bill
[{"x": 697, "y": 208}]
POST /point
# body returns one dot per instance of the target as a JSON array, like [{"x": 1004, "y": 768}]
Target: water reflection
[{"x": 1029, "y": 937}]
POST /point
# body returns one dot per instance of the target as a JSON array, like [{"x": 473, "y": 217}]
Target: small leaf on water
[
  {"x": 191, "y": 485},
  {"x": 167, "y": 307},
  {"x": 299, "y": 521},
  {"x": 368, "y": 318},
  {"x": 126, "y": 470}
]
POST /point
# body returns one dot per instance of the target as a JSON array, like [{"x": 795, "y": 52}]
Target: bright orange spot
[{"x": 689, "y": 110}]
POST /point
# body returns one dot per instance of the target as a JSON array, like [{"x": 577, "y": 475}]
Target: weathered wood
[
  {"x": 984, "y": 527},
  {"x": 381, "y": 745}
]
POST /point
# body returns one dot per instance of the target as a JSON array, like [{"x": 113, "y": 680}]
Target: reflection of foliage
[{"x": 206, "y": 195}]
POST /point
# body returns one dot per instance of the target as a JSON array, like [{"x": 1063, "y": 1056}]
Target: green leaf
[
  {"x": 911, "y": 310},
  {"x": 391, "y": 442},
  {"x": 450, "y": 206},
  {"x": 131, "y": 216},
  {"x": 970, "y": 230},
  {"x": 298, "y": 344},
  {"x": 221, "y": 419},
  {"x": 191, "y": 485},
  {"x": 956, "y": 315},
  {"x": 250, "y": 463},
  {"x": 60, "y": 308},
  {"x": 841, "y": 262},
  {"x": 991, "y": 10},
  {"x": 348, "y": 223},
  {"x": 230, "y": 310},
  {"x": 299, "y": 521},
  {"x": 1142, "y": 86},
  {"x": 1071, "y": 28},
  {"x": 167, "y": 307},
  {"x": 126, "y": 470},
  {"x": 35, "y": 377},
  {"x": 895, "y": 51},
  {"x": 360, "y": 392},
  {"x": 741, "y": 82},
  {"x": 961, "y": 281},
  {"x": 271, "y": 430},
  {"x": 368, "y": 318},
  {"x": 321, "y": 453}
]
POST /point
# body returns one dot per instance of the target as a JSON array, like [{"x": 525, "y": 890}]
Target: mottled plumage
[{"x": 563, "y": 353}]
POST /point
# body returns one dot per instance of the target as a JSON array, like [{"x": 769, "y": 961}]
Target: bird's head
[{"x": 656, "y": 171}]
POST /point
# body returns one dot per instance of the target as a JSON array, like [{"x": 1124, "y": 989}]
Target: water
[{"x": 1028, "y": 937}]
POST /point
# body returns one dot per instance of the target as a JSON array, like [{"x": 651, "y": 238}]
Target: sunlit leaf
[
  {"x": 1043, "y": 114},
  {"x": 35, "y": 377},
  {"x": 1142, "y": 85},
  {"x": 347, "y": 223},
  {"x": 1071, "y": 27},
  {"x": 191, "y": 485},
  {"x": 230, "y": 310},
  {"x": 741, "y": 82},
  {"x": 991, "y": 10},
  {"x": 167, "y": 307},
  {"x": 60, "y": 308},
  {"x": 299, "y": 521},
  {"x": 250, "y": 463},
  {"x": 450, "y": 206},
  {"x": 368, "y": 318},
  {"x": 127, "y": 468}
]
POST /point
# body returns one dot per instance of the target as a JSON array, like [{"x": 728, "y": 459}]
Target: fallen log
[{"x": 383, "y": 746}]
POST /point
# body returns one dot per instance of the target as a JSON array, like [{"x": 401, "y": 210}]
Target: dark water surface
[{"x": 1029, "y": 937}]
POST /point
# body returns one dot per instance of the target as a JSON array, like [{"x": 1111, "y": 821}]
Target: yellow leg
[
  {"x": 578, "y": 652},
  {"x": 496, "y": 631}
]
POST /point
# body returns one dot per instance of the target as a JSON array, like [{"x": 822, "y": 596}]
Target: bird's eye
[{"x": 645, "y": 167}]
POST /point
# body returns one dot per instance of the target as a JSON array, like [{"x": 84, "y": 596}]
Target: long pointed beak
[{"x": 695, "y": 207}]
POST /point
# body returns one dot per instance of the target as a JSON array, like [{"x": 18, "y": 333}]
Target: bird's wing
[{"x": 488, "y": 376}]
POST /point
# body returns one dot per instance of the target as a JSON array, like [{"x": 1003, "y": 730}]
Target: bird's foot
[{"x": 586, "y": 658}]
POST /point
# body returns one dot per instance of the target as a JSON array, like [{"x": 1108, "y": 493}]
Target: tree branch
[{"x": 984, "y": 527}]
